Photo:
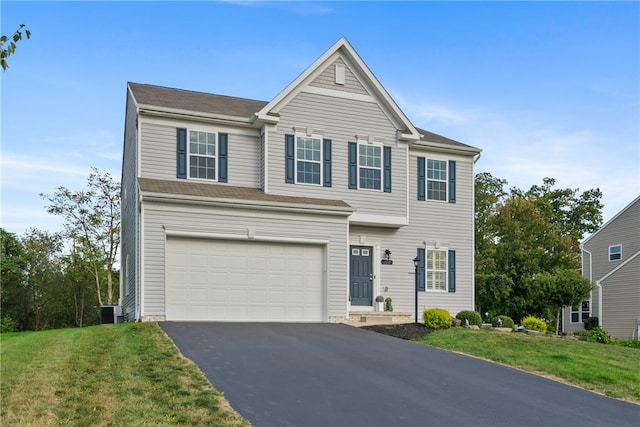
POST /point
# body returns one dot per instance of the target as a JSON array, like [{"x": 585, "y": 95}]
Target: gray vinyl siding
[
  {"x": 157, "y": 216},
  {"x": 327, "y": 80},
  {"x": 158, "y": 152},
  {"x": 621, "y": 301},
  {"x": 341, "y": 120},
  {"x": 621, "y": 305},
  {"x": 449, "y": 224},
  {"x": 129, "y": 214}
]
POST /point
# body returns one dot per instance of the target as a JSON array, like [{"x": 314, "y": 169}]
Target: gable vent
[{"x": 339, "y": 74}]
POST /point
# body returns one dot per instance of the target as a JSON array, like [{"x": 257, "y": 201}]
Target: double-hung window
[
  {"x": 436, "y": 270},
  {"x": 308, "y": 160},
  {"x": 370, "y": 166},
  {"x": 615, "y": 253},
  {"x": 202, "y": 155},
  {"x": 436, "y": 179},
  {"x": 580, "y": 313}
]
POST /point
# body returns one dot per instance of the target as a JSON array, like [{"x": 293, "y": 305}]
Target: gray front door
[{"x": 361, "y": 280}]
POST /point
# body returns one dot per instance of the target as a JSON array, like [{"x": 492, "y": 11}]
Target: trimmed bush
[
  {"x": 436, "y": 318},
  {"x": 388, "y": 306},
  {"x": 473, "y": 317},
  {"x": 591, "y": 323},
  {"x": 534, "y": 324},
  {"x": 507, "y": 322},
  {"x": 597, "y": 334}
]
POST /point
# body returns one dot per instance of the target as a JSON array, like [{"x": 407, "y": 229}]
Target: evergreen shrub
[
  {"x": 436, "y": 318},
  {"x": 473, "y": 317},
  {"x": 507, "y": 322},
  {"x": 534, "y": 324}
]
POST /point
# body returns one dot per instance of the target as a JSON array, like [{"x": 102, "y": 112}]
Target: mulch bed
[{"x": 406, "y": 331}]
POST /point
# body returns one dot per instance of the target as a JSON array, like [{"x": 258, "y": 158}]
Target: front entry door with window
[{"x": 361, "y": 280}]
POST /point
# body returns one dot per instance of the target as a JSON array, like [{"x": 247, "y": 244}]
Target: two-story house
[
  {"x": 611, "y": 260},
  {"x": 297, "y": 209}
]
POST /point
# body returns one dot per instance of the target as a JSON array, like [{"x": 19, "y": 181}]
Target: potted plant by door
[{"x": 379, "y": 303}]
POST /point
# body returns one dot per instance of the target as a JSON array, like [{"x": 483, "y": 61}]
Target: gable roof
[
  {"x": 343, "y": 48},
  {"x": 431, "y": 139},
  {"x": 179, "y": 99}
]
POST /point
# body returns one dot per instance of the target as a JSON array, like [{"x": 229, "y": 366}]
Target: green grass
[
  {"x": 611, "y": 370},
  {"x": 110, "y": 375}
]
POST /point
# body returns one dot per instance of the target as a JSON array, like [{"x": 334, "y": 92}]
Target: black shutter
[
  {"x": 421, "y": 178},
  {"x": 452, "y": 271},
  {"x": 289, "y": 153},
  {"x": 222, "y": 157},
  {"x": 181, "y": 153},
  {"x": 353, "y": 166},
  {"x": 421, "y": 265},
  {"x": 326, "y": 162},
  {"x": 387, "y": 169},
  {"x": 452, "y": 181}
]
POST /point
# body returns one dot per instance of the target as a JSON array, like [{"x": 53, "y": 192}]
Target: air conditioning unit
[{"x": 110, "y": 314}]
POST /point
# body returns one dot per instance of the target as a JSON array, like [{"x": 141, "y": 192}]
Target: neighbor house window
[
  {"x": 369, "y": 166},
  {"x": 202, "y": 155},
  {"x": 308, "y": 160},
  {"x": 436, "y": 179},
  {"x": 580, "y": 313},
  {"x": 436, "y": 270},
  {"x": 615, "y": 253}
]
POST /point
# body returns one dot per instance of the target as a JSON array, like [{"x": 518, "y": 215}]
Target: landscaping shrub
[
  {"x": 626, "y": 343},
  {"x": 591, "y": 323},
  {"x": 598, "y": 334},
  {"x": 507, "y": 322},
  {"x": 436, "y": 318},
  {"x": 473, "y": 317},
  {"x": 534, "y": 324},
  {"x": 387, "y": 304}
]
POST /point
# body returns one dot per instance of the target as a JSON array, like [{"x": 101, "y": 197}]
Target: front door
[{"x": 361, "y": 280}]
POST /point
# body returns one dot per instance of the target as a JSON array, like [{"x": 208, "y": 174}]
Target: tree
[
  {"x": 12, "y": 266},
  {"x": 527, "y": 246},
  {"x": 92, "y": 222},
  {"x": 6, "y": 51}
]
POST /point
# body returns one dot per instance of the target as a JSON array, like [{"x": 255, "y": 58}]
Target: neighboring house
[
  {"x": 611, "y": 260},
  {"x": 242, "y": 210}
]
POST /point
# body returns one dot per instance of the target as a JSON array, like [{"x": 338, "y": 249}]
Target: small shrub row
[
  {"x": 436, "y": 318},
  {"x": 591, "y": 322}
]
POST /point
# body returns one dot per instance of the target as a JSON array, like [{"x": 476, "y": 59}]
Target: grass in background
[
  {"x": 611, "y": 370},
  {"x": 109, "y": 375}
]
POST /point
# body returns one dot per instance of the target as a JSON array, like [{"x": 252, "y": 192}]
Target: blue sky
[{"x": 544, "y": 89}]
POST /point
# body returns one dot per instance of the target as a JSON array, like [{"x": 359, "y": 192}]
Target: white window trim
[
  {"x": 609, "y": 253},
  {"x": 426, "y": 180},
  {"x": 580, "y": 312},
  {"x": 295, "y": 158},
  {"x": 381, "y": 168},
  {"x": 215, "y": 157},
  {"x": 446, "y": 269}
]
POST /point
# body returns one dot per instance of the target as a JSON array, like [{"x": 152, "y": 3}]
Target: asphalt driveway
[{"x": 277, "y": 374}]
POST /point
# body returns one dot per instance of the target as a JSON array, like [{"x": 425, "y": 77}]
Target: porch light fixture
[
  {"x": 387, "y": 252},
  {"x": 416, "y": 263}
]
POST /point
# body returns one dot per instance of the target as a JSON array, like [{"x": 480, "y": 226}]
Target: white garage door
[{"x": 243, "y": 281}]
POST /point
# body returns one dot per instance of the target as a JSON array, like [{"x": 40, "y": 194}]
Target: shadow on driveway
[{"x": 288, "y": 374}]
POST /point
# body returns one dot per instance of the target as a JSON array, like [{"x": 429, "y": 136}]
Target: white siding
[
  {"x": 341, "y": 120},
  {"x": 129, "y": 214},
  {"x": 327, "y": 80},
  {"x": 159, "y": 217},
  {"x": 159, "y": 151}
]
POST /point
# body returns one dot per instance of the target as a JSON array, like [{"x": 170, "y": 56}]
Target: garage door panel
[{"x": 240, "y": 281}]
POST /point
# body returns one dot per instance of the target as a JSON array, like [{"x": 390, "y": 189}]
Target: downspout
[
  {"x": 597, "y": 285},
  {"x": 476, "y": 158}
]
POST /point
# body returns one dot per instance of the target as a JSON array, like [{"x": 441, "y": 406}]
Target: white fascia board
[
  {"x": 247, "y": 204},
  {"x": 388, "y": 221},
  {"x": 152, "y": 110},
  {"x": 627, "y": 261},
  {"x": 610, "y": 221}
]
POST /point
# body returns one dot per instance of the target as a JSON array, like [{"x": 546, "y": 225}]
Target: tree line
[
  {"x": 60, "y": 279},
  {"x": 527, "y": 254}
]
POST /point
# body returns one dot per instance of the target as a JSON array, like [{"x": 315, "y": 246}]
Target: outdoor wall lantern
[
  {"x": 416, "y": 264},
  {"x": 387, "y": 260}
]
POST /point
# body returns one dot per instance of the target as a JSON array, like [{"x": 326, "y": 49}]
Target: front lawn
[
  {"x": 607, "y": 369},
  {"x": 109, "y": 375}
]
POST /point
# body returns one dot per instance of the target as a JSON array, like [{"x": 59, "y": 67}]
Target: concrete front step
[{"x": 366, "y": 318}]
